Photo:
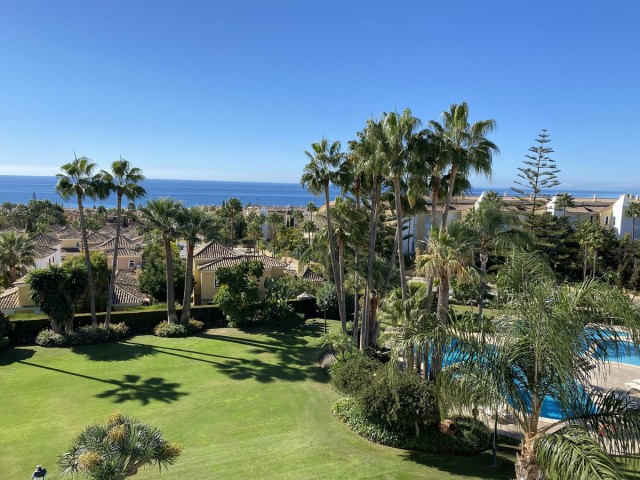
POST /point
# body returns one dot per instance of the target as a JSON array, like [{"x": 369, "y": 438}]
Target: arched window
[{"x": 132, "y": 264}]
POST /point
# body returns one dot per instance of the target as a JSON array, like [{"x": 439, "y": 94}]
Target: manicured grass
[{"x": 243, "y": 405}]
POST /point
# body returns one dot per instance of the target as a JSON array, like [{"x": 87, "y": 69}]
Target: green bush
[
  {"x": 471, "y": 438},
  {"x": 84, "y": 335},
  {"x": 4, "y": 343},
  {"x": 49, "y": 338},
  {"x": 403, "y": 401},
  {"x": 140, "y": 321},
  {"x": 351, "y": 375},
  {"x": 166, "y": 329}
]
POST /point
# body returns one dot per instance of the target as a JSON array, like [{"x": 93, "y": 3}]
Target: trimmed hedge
[
  {"x": 139, "y": 321},
  {"x": 471, "y": 438}
]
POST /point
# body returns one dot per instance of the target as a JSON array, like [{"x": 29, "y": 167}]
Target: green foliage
[
  {"x": 6, "y": 325},
  {"x": 153, "y": 279},
  {"x": 471, "y": 438},
  {"x": 34, "y": 216},
  {"x": 403, "y": 401},
  {"x": 277, "y": 311},
  {"x": 85, "y": 335},
  {"x": 4, "y": 343},
  {"x": 101, "y": 276},
  {"x": 239, "y": 294},
  {"x": 166, "y": 329},
  {"x": 353, "y": 373},
  {"x": 326, "y": 296},
  {"x": 117, "y": 448},
  {"x": 340, "y": 344}
]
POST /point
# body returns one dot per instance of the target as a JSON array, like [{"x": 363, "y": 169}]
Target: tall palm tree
[
  {"x": 254, "y": 230},
  {"x": 309, "y": 227},
  {"x": 161, "y": 215},
  {"x": 298, "y": 217},
  {"x": 311, "y": 208},
  {"x": 563, "y": 201},
  {"x": 464, "y": 147},
  {"x": 192, "y": 223},
  {"x": 395, "y": 137},
  {"x": 273, "y": 220},
  {"x": 17, "y": 251},
  {"x": 546, "y": 345},
  {"x": 231, "y": 209},
  {"x": 124, "y": 180},
  {"x": 633, "y": 211},
  {"x": 318, "y": 174},
  {"x": 78, "y": 180},
  {"x": 591, "y": 238},
  {"x": 447, "y": 257}
]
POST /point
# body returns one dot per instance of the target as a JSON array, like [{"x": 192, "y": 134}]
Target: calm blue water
[{"x": 21, "y": 189}]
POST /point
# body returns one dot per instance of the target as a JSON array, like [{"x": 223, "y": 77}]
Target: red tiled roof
[
  {"x": 9, "y": 298},
  {"x": 46, "y": 240},
  {"x": 268, "y": 262}
]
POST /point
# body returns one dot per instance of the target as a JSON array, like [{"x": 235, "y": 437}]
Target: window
[
  {"x": 216, "y": 282},
  {"x": 606, "y": 220},
  {"x": 132, "y": 264}
]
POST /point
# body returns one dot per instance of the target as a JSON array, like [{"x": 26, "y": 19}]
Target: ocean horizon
[{"x": 22, "y": 188}]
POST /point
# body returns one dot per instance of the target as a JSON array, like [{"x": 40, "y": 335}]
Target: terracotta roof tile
[
  {"x": 213, "y": 250},
  {"x": 46, "y": 240},
  {"x": 9, "y": 298}
]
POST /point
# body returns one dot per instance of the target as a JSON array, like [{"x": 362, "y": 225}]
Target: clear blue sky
[{"x": 238, "y": 90}]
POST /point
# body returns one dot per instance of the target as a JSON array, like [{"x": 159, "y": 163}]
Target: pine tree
[{"x": 538, "y": 174}]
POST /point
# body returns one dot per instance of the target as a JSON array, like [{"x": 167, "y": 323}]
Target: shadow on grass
[
  {"x": 480, "y": 466},
  {"x": 114, "y": 352},
  {"x": 131, "y": 387},
  {"x": 16, "y": 354}
]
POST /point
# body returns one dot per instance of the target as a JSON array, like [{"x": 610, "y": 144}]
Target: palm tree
[
  {"x": 231, "y": 209},
  {"x": 563, "y": 201},
  {"x": 192, "y": 223},
  {"x": 464, "y": 147},
  {"x": 633, "y": 211},
  {"x": 78, "y": 180},
  {"x": 160, "y": 215},
  {"x": 591, "y": 238},
  {"x": 309, "y": 227},
  {"x": 546, "y": 345},
  {"x": 273, "y": 220},
  {"x": 311, "y": 208},
  {"x": 117, "y": 449},
  {"x": 254, "y": 230},
  {"x": 317, "y": 176},
  {"x": 493, "y": 227},
  {"x": 447, "y": 257},
  {"x": 124, "y": 180},
  {"x": 57, "y": 290},
  {"x": 395, "y": 137},
  {"x": 16, "y": 253},
  {"x": 298, "y": 217}
]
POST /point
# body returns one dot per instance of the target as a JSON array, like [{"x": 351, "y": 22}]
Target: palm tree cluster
[{"x": 391, "y": 166}]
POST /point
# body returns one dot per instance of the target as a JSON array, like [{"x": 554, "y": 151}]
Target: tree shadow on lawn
[
  {"x": 479, "y": 465},
  {"x": 114, "y": 352},
  {"x": 131, "y": 387},
  {"x": 15, "y": 354}
]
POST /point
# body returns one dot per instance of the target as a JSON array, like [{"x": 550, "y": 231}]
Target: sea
[{"x": 21, "y": 189}]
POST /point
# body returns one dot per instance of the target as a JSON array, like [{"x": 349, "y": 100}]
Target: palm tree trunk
[
  {"x": 595, "y": 259},
  {"x": 584, "y": 265},
  {"x": 87, "y": 259},
  {"x": 334, "y": 261},
  {"x": 443, "y": 319},
  {"x": 356, "y": 299},
  {"x": 188, "y": 284},
  {"x": 373, "y": 227},
  {"x": 447, "y": 200},
  {"x": 526, "y": 465},
  {"x": 171, "y": 301},
  {"x": 484, "y": 258},
  {"x": 341, "y": 298},
  {"x": 114, "y": 264},
  {"x": 392, "y": 262},
  {"x": 399, "y": 220}
]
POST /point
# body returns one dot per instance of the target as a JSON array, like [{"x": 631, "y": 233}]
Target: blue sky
[{"x": 238, "y": 90}]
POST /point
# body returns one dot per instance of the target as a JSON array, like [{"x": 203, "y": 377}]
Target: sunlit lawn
[{"x": 243, "y": 405}]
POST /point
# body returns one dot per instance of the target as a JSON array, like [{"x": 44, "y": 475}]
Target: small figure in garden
[{"x": 39, "y": 472}]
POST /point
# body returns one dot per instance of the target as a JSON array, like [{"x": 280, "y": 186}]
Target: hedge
[{"x": 138, "y": 321}]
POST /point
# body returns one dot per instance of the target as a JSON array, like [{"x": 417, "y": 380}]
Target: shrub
[
  {"x": 341, "y": 345},
  {"x": 49, "y": 338},
  {"x": 4, "y": 343},
  {"x": 402, "y": 400},
  {"x": 194, "y": 326},
  {"x": 84, "y": 335},
  {"x": 166, "y": 329},
  {"x": 471, "y": 438},
  {"x": 351, "y": 375}
]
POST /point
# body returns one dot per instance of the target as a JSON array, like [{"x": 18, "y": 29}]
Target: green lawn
[{"x": 243, "y": 405}]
